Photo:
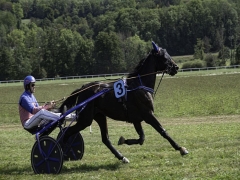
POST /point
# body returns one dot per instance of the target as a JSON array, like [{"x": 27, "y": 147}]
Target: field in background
[
  {"x": 200, "y": 112},
  {"x": 180, "y": 60},
  {"x": 198, "y": 93}
]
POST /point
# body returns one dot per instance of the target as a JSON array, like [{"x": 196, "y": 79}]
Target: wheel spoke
[
  {"x": 39, "y": 163},
  {"x": 75, "y": 148},
  {"x": 76, "y": 144},
  {"x": 53, "y": 159},
  {"x": 50, "y": 149},
  {"x": 46, "y": 156}
]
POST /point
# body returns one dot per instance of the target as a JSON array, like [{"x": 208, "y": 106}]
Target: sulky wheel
[
  {"x": 74, "y": 148},
  {"x": 46, "y": 156}
]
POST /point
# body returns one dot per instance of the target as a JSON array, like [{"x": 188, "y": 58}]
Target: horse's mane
[{"x": 136, "y": 69}]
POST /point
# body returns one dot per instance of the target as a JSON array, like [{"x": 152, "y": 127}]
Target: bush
[
  {"x": 193, "y": 64},
  {"x": 224, "y": 53},
  {"x": 237, "y": 57},
  {"x": 211, "y": 61}
]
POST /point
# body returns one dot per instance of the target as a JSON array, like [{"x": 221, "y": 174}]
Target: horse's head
[{"x": 166, "y": 63}]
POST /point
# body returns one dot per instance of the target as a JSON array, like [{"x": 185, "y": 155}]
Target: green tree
[
  {"x": 34, "y": 43},
  {"x": 167, "y": 2},
  {"x": 223, "y": 24},
  {"x": 3, "y": 36},
  {"x": 7, "y": 70},
  {"x": 199, "y": 21},
  {"x": 18, "y": 12},
  {"x": 22, "y": 65},
  {"x": 109, "y": 55},
  {"x": 199, "y": 50},
  {"x": 49, "y": 13},
  {"x": 8, "y": 20},
  {"x": 128, "y": 22},
  {"x": 207, "y": 44},
  {"x": 174, "y": 32},
  {"x": 104, "y": 23},
  {"x": 50, "y": 52},
  {"x": 26, "y": 6},
  {"x": 134, "y": 50},
  {"x": 67, "y": 50},
  {"x": 210, "y": 60},
  {"x": 150, "y": 25},
  {"x": 84, "y": 60},
  {"x": 223, "y": 54},
  {"x": 237, "y": 56},
  {"x": 5, "y": 5}
]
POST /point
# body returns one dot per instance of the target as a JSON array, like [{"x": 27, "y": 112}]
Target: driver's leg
[{"x": 39, "y": 116}]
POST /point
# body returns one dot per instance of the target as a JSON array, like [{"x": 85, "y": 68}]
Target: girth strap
[{"x": 142, "y": 87}]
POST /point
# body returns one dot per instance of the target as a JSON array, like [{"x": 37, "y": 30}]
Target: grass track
[
  {"x": 213, "y": 143},
  {"x": 200, "y": 112}
]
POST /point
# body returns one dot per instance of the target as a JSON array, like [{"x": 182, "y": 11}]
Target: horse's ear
[{"x": 155, "y": 47}]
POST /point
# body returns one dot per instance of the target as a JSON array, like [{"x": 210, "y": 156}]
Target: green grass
[
  {"x": 199, "y": 96},
  {"x": 199, "y": 111},
  {"x": 213, "y": 144},
  {"x": 26, "y": 21},
  {"x": 180, "y": 59}
]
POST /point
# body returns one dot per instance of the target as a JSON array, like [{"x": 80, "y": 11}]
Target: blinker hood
[{"x": 155, "y": 47}]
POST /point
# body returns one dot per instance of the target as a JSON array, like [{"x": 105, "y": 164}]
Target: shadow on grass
[
  {"x": 27, "y": 170},
  {"x": 15, "y": 170},
  {"x": 84, "y": 168}
]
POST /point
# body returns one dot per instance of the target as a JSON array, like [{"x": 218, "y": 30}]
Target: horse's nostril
[{"x": 176, "y": 67}]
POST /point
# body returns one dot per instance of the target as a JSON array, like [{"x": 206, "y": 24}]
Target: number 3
[{"x": 119, "y": 89}]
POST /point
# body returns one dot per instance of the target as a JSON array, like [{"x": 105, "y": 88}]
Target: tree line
[{"x": 50, "y": 38}]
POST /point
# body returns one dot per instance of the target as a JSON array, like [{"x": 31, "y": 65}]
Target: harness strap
[{"x": 142, "y": 87}]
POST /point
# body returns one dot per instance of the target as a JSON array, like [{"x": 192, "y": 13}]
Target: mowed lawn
[{"x": 201, "y": 113}]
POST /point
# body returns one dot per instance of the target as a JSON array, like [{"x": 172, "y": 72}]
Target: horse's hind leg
[
  {"x": 156, "y": 125},
  {"x": 138, "y": 128},
  {"x": 102, "y": 122}
]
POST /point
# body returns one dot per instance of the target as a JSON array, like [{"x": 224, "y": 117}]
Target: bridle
[{"x": 170, "y": 64}]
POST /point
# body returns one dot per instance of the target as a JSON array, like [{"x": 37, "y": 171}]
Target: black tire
[
  {"x": 74, "y": 148},
  {"x": 50, "y": 161}
]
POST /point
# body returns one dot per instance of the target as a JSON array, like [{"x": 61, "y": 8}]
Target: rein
[
  {"x": 143, "y": 87},
  {"x": 158, "y": 85},
  {"x": 140, "y": 87}
]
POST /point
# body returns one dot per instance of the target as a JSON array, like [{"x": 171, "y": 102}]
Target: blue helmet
[{"x": 28, "y": 79}]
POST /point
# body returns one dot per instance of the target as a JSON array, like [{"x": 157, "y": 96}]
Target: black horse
[{"x": 134, "y": 107}]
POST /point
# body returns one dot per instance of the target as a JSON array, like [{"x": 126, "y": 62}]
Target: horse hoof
[
  {"x": 125, "y": 160},
  {"x": 121, "y": 140},
  {"x": 183, "y": 151}
]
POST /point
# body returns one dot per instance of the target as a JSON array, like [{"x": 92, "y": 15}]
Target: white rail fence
[{"x": 123, "y": 74}]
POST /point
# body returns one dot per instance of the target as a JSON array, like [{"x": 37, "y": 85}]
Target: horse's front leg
[
  {"x": 102, "y": 122},
  {"x": 151, "y": 119},
  {"x": 138, "y": 128}
]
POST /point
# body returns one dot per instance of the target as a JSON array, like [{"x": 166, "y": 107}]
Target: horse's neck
[
  {"x": 146, "y": 76},
  {"x": 147, "y": 79}
]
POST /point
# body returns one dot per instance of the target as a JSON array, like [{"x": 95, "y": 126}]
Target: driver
[{"x": 31, "y": 114}]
